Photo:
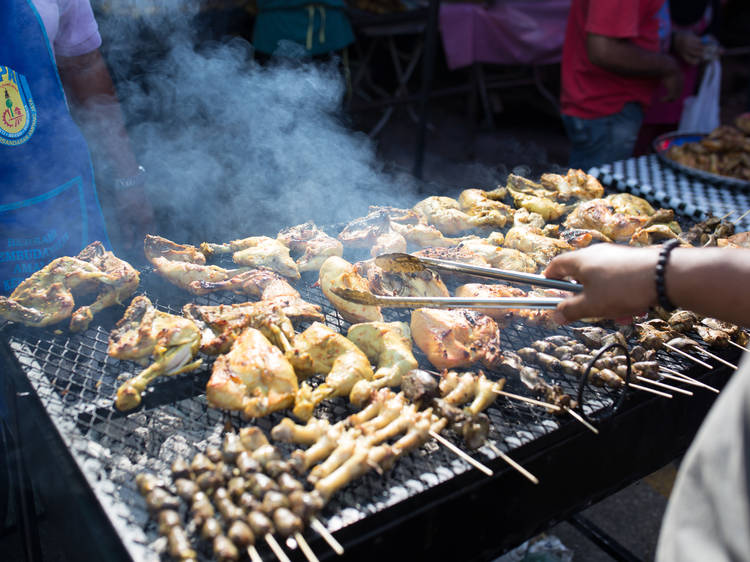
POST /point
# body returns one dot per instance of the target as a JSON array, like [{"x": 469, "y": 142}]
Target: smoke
[{"x": 233, "y": 148}]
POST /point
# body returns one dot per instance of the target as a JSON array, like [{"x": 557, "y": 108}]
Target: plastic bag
[{"x": 700, "y": 113}]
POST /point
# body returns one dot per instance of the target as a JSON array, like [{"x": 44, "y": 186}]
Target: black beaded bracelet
[{"x": 661, "y": 267}]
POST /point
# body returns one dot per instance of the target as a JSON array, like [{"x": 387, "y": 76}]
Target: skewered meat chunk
[
  {"x": 254, "y": 377},
  {"x": 458, "y": 389},
  {"x": 314, "y": 244},
  {"x": 225, "y": 550},
  {"x": 533, "y": 243},
  {"x": 420, "y": 387},
  {"x": 179, "y": 544},
  {"x": 47, "y": 296},
  {"x": 455, "y": 338},
  {"x": 146, "y": 333},
  {"x": 388, "y": 345},
  {"x": 339, "y": 273},
  {"x": 257, "y": 251},
  {"x": 319, "y": 349}
]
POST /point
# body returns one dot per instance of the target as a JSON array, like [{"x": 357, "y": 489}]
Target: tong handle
[
  {"x": 469, "y": 302},
  {"x": 504, "y": 274}
]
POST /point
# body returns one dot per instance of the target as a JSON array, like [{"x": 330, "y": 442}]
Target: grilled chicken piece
[
  {"x": 485, "y": 291},
  {"x": 399, "y": 216},
  {"x": 47, "y": 296},
  {"x": 486, "y": 211},
  {"x": 458, "y": 389},
  {"x": 254, "y": 377},
  {"x": 220, "y": 325},
  {"x": 523, "y": 217},
  {"x": 445, "y": 213},
  {"x": 652, "y": 235},
  {"x": 683, "y": 320},
  {"x": 362, "y": 232},
  {"x": 534, "y": 244},
  {"x": 314, "y": 245},
  {"x": 629, "y": 204},
  {"x": 319, "y": 349},
  {"x": 339, "y": 273},
  {"x": 455, "y": 338},
  {"x": 424, "y": 283},
  {"x": 257, "y": 251},
  {"x": 287, "y": 431},
  {"x": 459, "y": 254},
  {"x": 388, "y": 345},
  {"x": 426, "y": 235},
  {"x": 185, "y": 266},
  {"x": 388, "y": 243},
  {"x": 580, "y": 238},
  {"x": 497, "y": 256},
  {"x": 549, "y": 210},
  {"x": 576, "y": 184},
  {"x": 739, "y": 240},
  {"x": 144, "y": 334},
  {"x": 600, "y": 214}
]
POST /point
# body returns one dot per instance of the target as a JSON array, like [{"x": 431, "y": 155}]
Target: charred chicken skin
[
  {"x": 47, "y": 296},
  {"x": 146, "y": 334},
  {"x": 254, "y": 377},
  {"x": 388, "y": 345},
  {"x": 424, "y": 283},
  {"x": 455, "y": 338},
  {"x": 257, "y": 251},
  {"x": 338, "y": 273},
  {"x": 314, "y": 245},
  {"x": 319, "y": 349}
]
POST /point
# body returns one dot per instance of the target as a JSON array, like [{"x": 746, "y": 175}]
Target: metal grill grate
[{"x": 76, "y": 382}]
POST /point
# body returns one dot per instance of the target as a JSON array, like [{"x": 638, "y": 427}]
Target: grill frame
[{"x": 401, "y": 499}]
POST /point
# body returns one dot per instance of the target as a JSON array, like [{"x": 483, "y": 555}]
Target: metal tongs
[{"x": 406, "y": 263}]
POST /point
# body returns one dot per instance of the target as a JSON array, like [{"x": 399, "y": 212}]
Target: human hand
[
  {"x": 135, "y": 219},
  {"x": 688, "y": 46},
  {"x": 673, "y": 82},
  {"x": 618, "y": 281}
]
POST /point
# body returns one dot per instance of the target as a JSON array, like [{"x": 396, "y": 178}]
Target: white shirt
[{"x": 70, "y": 25}]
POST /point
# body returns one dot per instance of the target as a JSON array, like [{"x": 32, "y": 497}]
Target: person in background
[
  {"x": 49, "y": 204},
  {"x": 694, "y": 24},
  {"x": 708, "y": 514},
  {"x": 613, "y": 61}
]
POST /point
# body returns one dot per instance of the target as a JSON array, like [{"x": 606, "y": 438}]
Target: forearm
[
  {"x": 711, "y": 281},
  {"x": 624, "y": 57},
  {"x": 91, "y": 93}
]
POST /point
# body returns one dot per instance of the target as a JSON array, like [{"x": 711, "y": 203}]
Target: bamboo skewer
[
  {"x": 578, "y": 417},
  {"x": 688, "y": 356},
  {"x": 742, "y": 216},
  {"x": 716, "y": 358},
  {"x": 306, "y": 550},
  {"x": 319, "y": 528},
  {"x": 458, "y": 452},
  {"x": 276, "y": 548},
  {"x": 665, "y": 386},
  {"x": 674, "y": 375},
  {"x": 252, "y": 552},
  {"x": 547, "y": 405},
  {"x": 514, "y": 464},
  {"x": 650, "y": 390}
]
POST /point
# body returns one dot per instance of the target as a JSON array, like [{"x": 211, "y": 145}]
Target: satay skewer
[
  {"x": 547, "y": 405},
  {"x": 677, "y": 376},
  {"x": 305, "y": 548},
  {"x": 650, "y": 390},
  {"x": 276, "y": 548},
  {"x": 687, "y": 355},
  {"x": 533, "y": 479},
  {"x": 716, "y": 357},
  {"x": 321, "y": 529},
  {"x": 578, "y": 417},
  {"x": 738, "y": 219},
  {"x": 735, "y": 344},
  {"x": 669, "y": 387},
  {"x": 461, "y": 454}
]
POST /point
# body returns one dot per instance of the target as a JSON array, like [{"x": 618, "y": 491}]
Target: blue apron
[{"x": 48, "y": 201}]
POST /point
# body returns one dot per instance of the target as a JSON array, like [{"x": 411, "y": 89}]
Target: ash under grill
[{"x": 76, "y": 382}]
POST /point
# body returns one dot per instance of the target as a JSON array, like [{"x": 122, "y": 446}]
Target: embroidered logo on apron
[{"x": 17, "y": 109}]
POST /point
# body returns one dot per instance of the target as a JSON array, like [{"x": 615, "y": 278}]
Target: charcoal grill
[{"x": 67, "y": 385}]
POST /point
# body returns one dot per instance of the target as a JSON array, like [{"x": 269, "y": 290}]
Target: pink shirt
[{"x": 70, "y": 26}]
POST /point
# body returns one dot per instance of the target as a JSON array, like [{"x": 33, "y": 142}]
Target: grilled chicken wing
[
  {"x": 533, "y": 243},
  {"x": 185, "y": 266},
  {"x": 319, "y": 349},
  {"x": 144, "y": 334},
  {"x": 47, "y": 296},
  {"x": 388, "y": 345},
  {"x": 257, "y": 251},
  {"x": 254, "y": 377},
  {"x": 314, "y": 244},
  {"x": 486, "y": 211},
  {"x": 576, "y": 184},
  {"x": 499, "y": 257},
  {"x": 424, "y": 283},
  {"x": 220, "y": 325},
  {"x": 337, "y": 272},
  {"x": 455, "y": 338}
]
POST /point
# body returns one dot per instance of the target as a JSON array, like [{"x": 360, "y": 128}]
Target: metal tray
[{"x": 663, "y": 143}]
